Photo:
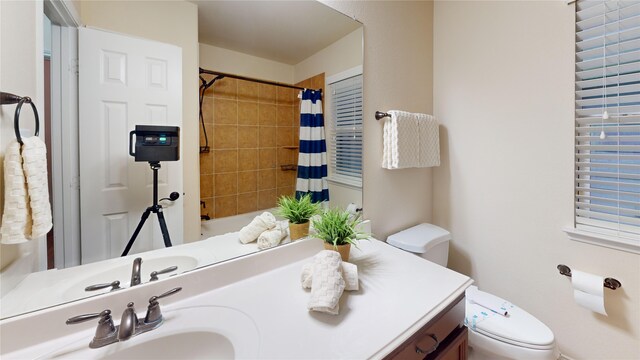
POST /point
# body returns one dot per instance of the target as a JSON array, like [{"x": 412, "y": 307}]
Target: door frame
[{"x": 64, "y": 130}]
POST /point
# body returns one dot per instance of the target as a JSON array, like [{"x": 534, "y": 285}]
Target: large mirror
[{"x": 248, "y": 134}]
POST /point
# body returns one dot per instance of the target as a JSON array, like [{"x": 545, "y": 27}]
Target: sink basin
[
  {"x": 123, "y": 274},
  {"x": 194, "y": 332}
]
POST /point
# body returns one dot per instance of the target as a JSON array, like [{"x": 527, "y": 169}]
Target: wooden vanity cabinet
[{"x": 442, "y": 338}]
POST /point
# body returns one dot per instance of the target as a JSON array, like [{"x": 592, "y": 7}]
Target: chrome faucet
[
  {"x": 136, "y": 278},
  {"x": 130, "y": 325}
]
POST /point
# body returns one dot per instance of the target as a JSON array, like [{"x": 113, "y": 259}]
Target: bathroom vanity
[{"x": 255, "y": 307}]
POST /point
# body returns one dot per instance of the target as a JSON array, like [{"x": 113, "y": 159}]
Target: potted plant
[
  {"x": 338, "y": 230},
  {"x": 298, "y": 212}
]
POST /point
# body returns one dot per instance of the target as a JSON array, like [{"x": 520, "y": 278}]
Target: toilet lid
[{"x": 518, "y": 328}]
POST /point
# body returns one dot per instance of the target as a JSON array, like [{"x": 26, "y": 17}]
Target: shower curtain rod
[{"x": 221, "y": 74}]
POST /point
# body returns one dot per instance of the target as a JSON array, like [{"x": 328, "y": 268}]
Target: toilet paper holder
[{"x": 610, "y": 283}]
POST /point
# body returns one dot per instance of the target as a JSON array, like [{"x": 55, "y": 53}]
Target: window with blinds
[
  {"x": 345, "y": 140},
  {"x": 607, "y": 136}
]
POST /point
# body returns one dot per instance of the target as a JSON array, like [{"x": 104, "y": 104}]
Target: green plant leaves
[{"x": 297, "y": 211}]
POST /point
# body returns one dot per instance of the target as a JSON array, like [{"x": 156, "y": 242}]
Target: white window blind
[
  {"x": 346, "y": 131},
  {"x": 607, "y": 186}
]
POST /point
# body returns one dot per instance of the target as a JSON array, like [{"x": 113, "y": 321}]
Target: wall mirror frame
[{"x": 341, "y": 57}]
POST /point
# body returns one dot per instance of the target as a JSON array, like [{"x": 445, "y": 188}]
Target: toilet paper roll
[{"x": 588, "y": 291}]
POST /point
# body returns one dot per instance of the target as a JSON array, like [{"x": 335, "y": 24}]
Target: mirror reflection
[{"x": 249, "y": 135}]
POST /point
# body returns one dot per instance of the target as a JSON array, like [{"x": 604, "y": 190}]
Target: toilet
[{"x": 518, "y": 335}]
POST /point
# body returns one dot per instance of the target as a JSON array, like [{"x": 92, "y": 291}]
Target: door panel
[{"x": 124, "y": 82}]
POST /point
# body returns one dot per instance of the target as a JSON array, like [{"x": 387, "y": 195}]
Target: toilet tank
[{"x": 426, "y": 240}]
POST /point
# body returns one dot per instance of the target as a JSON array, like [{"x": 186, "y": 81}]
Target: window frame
[{"x": 346, "y": 180}]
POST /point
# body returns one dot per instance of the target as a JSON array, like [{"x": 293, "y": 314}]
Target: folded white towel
[
  {"x": 349, "y": 274},
  {"x": 34, "y": 155},
  {"x": 487, "y": 301},
  {"x": 410, "y": 140},
  {"x": 272, "y": 237},
  {"x": 16, "y": 218},
  {"x": 328, "y": 283},
  {"x": 258, "y": 225}
]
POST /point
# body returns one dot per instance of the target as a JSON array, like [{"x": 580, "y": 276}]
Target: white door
[{"x": 124, "y": 82}]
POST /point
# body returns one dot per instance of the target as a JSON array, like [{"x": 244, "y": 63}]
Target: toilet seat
[{"x": 519, "y": 328}]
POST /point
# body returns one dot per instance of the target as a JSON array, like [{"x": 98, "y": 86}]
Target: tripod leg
[
  {"x": 144, "y": 217},
  {"x": 163, "y": 228}
]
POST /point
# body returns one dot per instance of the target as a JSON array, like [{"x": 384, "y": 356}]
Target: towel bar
[
  {"x": 610, "y": 283},
  {"x": 8, "y": 99},
  {"x": 381, "y": 115}
]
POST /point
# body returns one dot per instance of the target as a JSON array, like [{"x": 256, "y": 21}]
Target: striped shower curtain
[{"x": 312, "y": 158}]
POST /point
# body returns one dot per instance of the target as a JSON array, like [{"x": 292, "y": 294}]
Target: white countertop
[{"x": 399, "y": 293}]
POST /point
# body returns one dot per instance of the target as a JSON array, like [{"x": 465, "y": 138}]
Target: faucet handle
[
  {"x": 115, "y": 285},
  {"x": 105, "y": 332},
  {"x": 153, "y": 310},
  {"x": 154, "y": 274}
]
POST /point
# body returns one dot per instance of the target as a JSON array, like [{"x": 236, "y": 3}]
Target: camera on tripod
[{"x": 154, "y": 143}]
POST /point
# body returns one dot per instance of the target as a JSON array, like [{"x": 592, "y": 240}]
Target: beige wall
[
  {"x": 342, "y": 55},
  {"x": 395, "y": 32},
  {"x": 21, "y": 73},
  {"x": 233, "y": 62},
  {"x": 503, "y": 93},
  {"x": 173, "y": 22}
]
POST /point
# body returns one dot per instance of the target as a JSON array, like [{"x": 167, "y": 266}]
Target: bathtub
[{"x": 221, "y": 226}]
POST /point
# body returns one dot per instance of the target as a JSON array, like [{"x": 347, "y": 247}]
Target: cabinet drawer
[{"x": 428, "y": 340}]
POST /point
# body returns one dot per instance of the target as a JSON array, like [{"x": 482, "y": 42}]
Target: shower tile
[
  {"x": 206, "y": 186},
  {"x": 267, "y": 93},
  {"x": 285, "y": 191},
  {"x": 225, "y": 137},
  {"x": 207, "y": 110},
  {"x": 266, "y": 179},
  {"x": 226, "y": 206},
  {"x": 267, "y": 158},
  {"x": 206, "y": 163},
  {"x": 226, "y": 184},
  {"x": 285, "y": 136},
  {"x": 284, "y": 115},
  {"x": 247, "y": 202},
  {"x": 247, "y": 137},
  {"x": 296, "y": 135},
  {"x": 267, "y": 136},
  {"x": 247, "y": 159},
  {"x": 209, "y": 128},
  {"x": 247, "y": 113},
  {"x": 225, "y": 161},
  {"x": 267, "y": 114},
  {"x": 225, "y": 111},
  {"x": 225, "y": 88},
  {"x": 247, "y": 181},
  {"x": 285, "y": 178},
  {"x": 248, "y": 90},
  {"x": 285, "y": 156},
  {"x": 296, "y": 115},
  {"x": 266, "y": 199},
  {"x": 285, "y": 96},
  {"x": 209, "y": 207}
]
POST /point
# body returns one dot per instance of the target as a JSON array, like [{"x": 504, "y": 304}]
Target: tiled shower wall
[{"x": 253, "y": 132}]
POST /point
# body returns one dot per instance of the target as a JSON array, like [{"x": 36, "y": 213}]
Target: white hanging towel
[
  {"x": 410, "y": 140},
  {"x": 27, "y": 211}
]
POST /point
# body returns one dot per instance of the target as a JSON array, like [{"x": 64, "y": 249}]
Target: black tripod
[{"x": 156, "y": 209}]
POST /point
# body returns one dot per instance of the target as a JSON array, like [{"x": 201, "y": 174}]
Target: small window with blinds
[
  {"x": 607, "y": 136},
  {"x": 345, "y": 140}
]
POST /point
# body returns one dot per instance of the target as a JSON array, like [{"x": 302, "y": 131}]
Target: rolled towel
[
  {"x": 328, "y": 283},
  {"x": 349, "y": 274},
  {"x": 271, "y": 238},
  {"x": 34, "y": 154},
  {"x": 258, "y": 225}
]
